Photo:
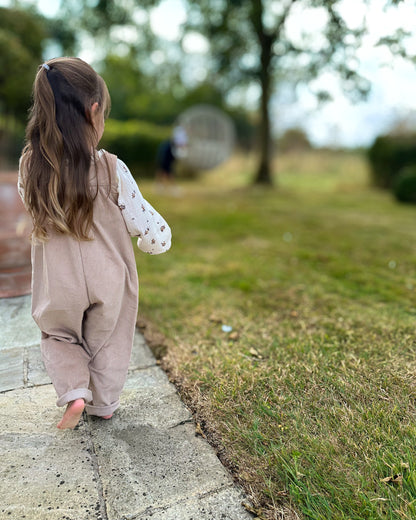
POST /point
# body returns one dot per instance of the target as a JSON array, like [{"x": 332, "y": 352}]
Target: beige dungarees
[{"x": 85, "y": 296}]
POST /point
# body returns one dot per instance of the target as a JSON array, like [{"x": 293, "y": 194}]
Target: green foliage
[
  {"x": 134, "y": 95},
  {"x": 389, "y": 155},
  {"x": 21, "y": 39},
  {"x": 12, "y": 135},
  {"x": 124, "y": 80},
  {"x": 62, "y": 35},
  {"x": 135, "y": 143},
  {"x": 405, "y": 185}
]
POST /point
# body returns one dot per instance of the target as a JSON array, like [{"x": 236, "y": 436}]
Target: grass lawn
[{"x": 310, "y": 399}]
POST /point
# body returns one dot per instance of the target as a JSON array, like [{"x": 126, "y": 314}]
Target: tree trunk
[{"x": 264, "y": 173}]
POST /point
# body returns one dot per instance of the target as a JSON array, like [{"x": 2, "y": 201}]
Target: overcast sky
[{"x": 393, "y": 95}]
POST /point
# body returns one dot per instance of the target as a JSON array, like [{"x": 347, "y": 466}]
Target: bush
[
  {"x": 389, "y": 155},
  {"x": 12, "y": 136},
  {"x": 136, "y": 143},
  {"x": 294, "y": 140},
  {"x": 405, "y": 185}
]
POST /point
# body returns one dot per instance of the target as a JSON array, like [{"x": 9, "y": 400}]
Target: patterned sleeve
[{"x": 142, "y": 220}]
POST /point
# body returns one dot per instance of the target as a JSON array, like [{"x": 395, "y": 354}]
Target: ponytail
[{"x": 60, "y": 139}]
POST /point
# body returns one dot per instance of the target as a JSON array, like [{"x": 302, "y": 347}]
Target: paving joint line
[
  {"x": 27, "y": 387},
  {"x": 139, "y": 369},
  {"x": 17, "y": 309},
  {"x": 96, "y": 466},
  {"x": 25, "y": 368},
  {"x": 181, "y": 423}
]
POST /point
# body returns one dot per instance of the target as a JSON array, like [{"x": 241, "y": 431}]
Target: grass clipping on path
[{"x": 310, "y": 397}]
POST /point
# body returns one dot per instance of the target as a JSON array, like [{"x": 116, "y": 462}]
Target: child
[{"x": 84, "y": 205}]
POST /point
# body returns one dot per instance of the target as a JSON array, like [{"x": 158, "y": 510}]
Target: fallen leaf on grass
[
  {"x": 384, "y": 398},
  {"x": 254, "y": 353},
  {"x": 234, "y": 336},
  {"x": 244, "y": 475},
  {"x": 198, "y": 431},
  {"x": 215, "y": 318},
  {"x": 253, "y": 511},
  {"x": 393, "y": 479}
]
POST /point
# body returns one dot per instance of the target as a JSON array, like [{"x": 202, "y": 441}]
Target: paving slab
[
  {"x": 154, "y": 466},
  {"x": 42, "y": 477},
  {"x": 151, "y": 377},
  {"x": 45, "y": 473},
  {"x": 223, "y": 504},
  {"x": 158, "y": 408},
  {"x": 141, "y": 355},
  {"x": 31, "y": 411},
  {"x": 35, "y": 373},
  {"x": 17, "y": 328},
  {"x": 11, "y": 368}
]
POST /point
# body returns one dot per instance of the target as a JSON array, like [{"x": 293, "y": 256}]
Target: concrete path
[{"x": 144, "y": 464}]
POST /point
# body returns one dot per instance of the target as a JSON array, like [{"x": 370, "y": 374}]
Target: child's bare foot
[
  {"x": 106, "y": 416},
  {"x": 72, "y": 414}
]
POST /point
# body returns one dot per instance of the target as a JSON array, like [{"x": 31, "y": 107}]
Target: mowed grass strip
[{"x": 311, "y": 396}]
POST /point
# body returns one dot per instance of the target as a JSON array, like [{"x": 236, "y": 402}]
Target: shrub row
[
  {"x": 12, "y": 136},
  {"x": 136, "y": 143},
  {"x": 404, "y": 187},
  {"x": 393, "y": 165}
]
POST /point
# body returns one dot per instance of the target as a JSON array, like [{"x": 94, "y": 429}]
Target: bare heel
[{"x": 72, "y": 415}]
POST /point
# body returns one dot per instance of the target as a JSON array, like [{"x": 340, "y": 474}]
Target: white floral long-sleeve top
[{"x": 142, "y": 220}]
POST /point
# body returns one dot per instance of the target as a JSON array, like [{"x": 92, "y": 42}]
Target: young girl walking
[{"x": 84, "y": 205}]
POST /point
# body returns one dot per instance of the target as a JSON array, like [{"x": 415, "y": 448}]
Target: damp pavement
[{"x": 146, "y": 463}]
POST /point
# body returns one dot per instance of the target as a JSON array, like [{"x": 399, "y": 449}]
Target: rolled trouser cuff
[
  {"x": 101, "y": 411},
  {"x": 72, "y": 395}
]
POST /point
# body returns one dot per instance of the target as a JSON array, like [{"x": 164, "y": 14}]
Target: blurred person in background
[{"x": 169, "y": 151}]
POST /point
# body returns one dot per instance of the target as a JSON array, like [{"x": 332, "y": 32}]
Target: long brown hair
[{"x": 60, "y": 140}]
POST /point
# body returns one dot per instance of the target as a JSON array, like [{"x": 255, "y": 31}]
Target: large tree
[{"x": 278, "y": 42}]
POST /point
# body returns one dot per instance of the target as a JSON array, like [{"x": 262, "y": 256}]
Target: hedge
[
  {"x": 389, "y": 155},
  {"x": 404, "y": 187},
  {"x": 136, "y": 143},
  {"x": 12, "y": 136}
]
